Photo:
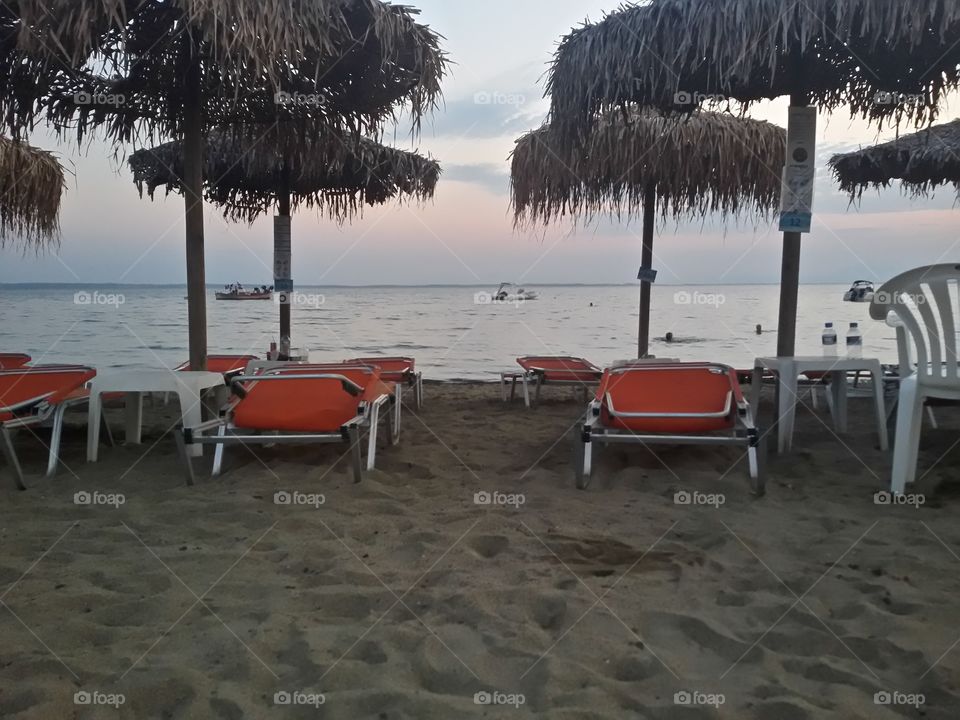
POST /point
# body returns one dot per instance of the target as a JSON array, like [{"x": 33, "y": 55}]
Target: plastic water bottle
[
  {"x": 829, "y": 338},
  {"x": 854, "y": 341}
]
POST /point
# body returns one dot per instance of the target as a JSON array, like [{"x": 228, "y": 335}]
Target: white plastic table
[
  {"x": 187, "y": 386},
  {"x": 788, "y": 369}
]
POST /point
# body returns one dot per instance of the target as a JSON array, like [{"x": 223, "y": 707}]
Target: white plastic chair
[{"x": 925, "y": 307}]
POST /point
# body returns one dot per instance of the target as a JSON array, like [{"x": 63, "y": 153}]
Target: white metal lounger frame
[
  {"x": 590, "y": 430},
  {"x": 537, "y": 375},
  {"x": 367, "y": 419},
  {"x": 41, "y": 412}
]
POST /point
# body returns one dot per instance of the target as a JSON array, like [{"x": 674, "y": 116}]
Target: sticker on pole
[
  {"x": 647, "y": 275},
  {"x": 799, "y": 173}
]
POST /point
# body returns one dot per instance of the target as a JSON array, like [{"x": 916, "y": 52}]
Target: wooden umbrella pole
[
  {"x": 649, "y": 211},
  {"x": 193, "y": 212},
  {"x": 282, "y": 250},
  {"x": 790, "y": 273}
]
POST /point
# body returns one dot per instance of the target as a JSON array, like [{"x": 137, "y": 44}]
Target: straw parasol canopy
[
  {"x": 181, "y": 67},
  {"x": 332, "y": 175},
  {"x": 31, "y": 186},
  {"x": 705, "y": 163},
  {"x": 645, "y": 162},
  {"x": 348, "y": 60},
  {"x": 886, "y": 59},
  {"x": 336, "y": 175},
  {"x": 922, "y": 162}
]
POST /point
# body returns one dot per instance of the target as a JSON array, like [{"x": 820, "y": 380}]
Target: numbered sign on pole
[
  {"x": 799, "y": 172},
  {"x": 282, "y": 258}
]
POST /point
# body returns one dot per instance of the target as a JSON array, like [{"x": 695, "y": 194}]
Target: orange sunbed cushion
[
  {"x": 309, "y": 405},
  {"x": 9, "y": 361},
  {"x": 53, "y": 383},
  {"x": 561, "y": 368},
  {"x": 224, "y": 364},
  {"x": 665, "y": 389}
]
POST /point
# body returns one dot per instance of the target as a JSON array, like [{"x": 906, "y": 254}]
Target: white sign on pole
[{"x": 799, "y": 173}]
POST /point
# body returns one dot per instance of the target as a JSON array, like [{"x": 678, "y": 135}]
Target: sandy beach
[{"x": 402, "y": 597}]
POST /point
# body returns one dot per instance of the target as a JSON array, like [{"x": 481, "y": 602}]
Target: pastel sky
[{"x": 466, "y": 236}]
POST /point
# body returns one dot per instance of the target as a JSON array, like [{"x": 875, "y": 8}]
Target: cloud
[
  {"x": 491, "y": 113},
  {"x": 487, "y": 175}
]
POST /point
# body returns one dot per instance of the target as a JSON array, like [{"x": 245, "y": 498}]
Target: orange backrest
[
  {"x": 392, "y": 369},
  {"x": 9, "y": 361},
  {"x": 320, "y": 405},
  {"x": 224, "y": 364},
  {"x": 52, "y": 383},
  {"x": 684, "y": 388},
  {"x": 559, "y": 367}
]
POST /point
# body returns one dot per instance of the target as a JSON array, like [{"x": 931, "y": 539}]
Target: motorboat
[
  {"x": 860, "y": 291},
  {"x": 237, "y": 292},
  {"x": 509, "y": 292}
]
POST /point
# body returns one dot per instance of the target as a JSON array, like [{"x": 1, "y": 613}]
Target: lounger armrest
[
  {"x": 728, "y": 405},
  {"x": 238, "y": 388},
  {"x": 25, "y": 404}
]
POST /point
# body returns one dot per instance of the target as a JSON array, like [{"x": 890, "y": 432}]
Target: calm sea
[{"x": 450, "y": 333}]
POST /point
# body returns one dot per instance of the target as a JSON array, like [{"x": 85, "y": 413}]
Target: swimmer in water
[{"x": 669, "y": 337}]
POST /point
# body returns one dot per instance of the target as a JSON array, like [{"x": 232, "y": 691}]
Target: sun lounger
[
  {"x": 30, "y": 396},
  {"x": 400, "y": 370},
  {"x": 302, "y": 404},
  {"x": 10, "y": 361},
  {"x": 682, "y": 403},
  {"x": 551, "y": 370}
]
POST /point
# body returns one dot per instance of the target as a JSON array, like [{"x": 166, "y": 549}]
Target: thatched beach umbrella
[
  {"x": 922, "y": 162},
  {"x": 31, "y": 185},
  {"x": 179, "y": 67},
  {"x": 648, "y": 163},
  {"x": 335, "y": 175},
  {"x": 886, "y": 59}
]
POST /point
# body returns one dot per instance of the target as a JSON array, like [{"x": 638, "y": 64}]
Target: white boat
[
  {"x": 860, "y": 291},
  {"x": 237, "y": 292},
  {"x": 509, "y": 292}
]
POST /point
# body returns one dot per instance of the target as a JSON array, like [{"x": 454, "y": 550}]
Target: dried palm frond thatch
[
  {"x": 706, "y": 162},
  {"x": 31, "y": 185},
  {"x": 922, "y": 162},
  {"x": 333, "y": 174},
  {"x": 886, "y": 59},
  {"x": 123, "y": 66}
]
